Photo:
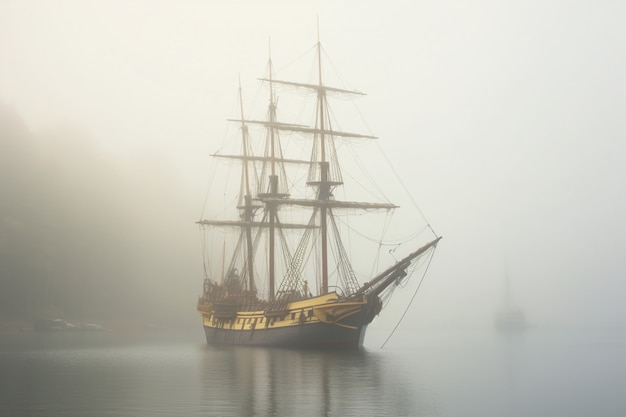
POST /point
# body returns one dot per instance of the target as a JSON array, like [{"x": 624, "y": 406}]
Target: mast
[
  {"x": 248, "y": 209},
  {"x": 273, "y": 186},
  {"x": 324, "y": 188}
]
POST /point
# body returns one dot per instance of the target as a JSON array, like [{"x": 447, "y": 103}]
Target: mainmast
[
  {"x": 272, "y": 208},
  {"x": 324, "y": 188},
  {"x": 324, "y": 175}
]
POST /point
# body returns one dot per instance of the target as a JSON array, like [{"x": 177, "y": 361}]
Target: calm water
[{"x": 444, "y": 373}]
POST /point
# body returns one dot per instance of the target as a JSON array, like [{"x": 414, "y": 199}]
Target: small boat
[
  {"x": 60, "y": 325},
  {"x": 291, "y": 283},
  {"x": 510, "y": 318}
]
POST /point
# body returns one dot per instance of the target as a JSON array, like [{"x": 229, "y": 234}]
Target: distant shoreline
[{"x": 16, "y": 325}]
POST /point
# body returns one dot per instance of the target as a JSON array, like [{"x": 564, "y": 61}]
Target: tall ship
[{"x": 281, "y": 260}]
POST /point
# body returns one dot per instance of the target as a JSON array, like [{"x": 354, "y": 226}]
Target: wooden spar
[
  {"x": 324, "y": 191},
  {"x": 223, "y": 259},
  {"x": 237, "y": 223},
  {"x": 273, "y": 189},
  {"x": 323, "y": 195},
  {"x": 249, "y": 249},
  {"x": 244, "y": 140},
  {"x": 382, "y": 280},
  {"x": 329, "y": 203},
  {"x": 306, "y": 129},
  {"x": 248, "y": 208},
  {"x": 262, "y": 159},
  {"x": 316, "y": 87}
]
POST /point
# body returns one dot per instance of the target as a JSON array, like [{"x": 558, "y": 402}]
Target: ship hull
[
  {"x": 312, "y": 336},
  {"x": 323, "y": 322}
]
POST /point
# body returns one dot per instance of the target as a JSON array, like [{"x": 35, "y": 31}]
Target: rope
[
  {"x": 410, "y": 302},
  {"x": 406, "y": 190}
]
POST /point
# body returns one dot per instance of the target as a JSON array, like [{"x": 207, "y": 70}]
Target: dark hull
[{"x": 314, "y": 336}]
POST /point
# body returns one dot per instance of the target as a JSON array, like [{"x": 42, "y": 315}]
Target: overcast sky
[{"x": 506, "y": 119}]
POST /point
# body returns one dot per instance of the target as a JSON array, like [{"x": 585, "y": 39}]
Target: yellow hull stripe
[{"x": 324, "y": 309}]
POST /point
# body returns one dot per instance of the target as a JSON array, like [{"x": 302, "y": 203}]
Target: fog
[{"x": 505, "y": 119}]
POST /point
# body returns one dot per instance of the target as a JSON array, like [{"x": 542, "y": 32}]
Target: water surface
[{"x": 440, "y": 373}]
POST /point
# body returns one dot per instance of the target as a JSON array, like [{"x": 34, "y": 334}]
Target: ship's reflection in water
[
  {"x": 282, "y": 382},
  {"x": 150, "y": 374}
]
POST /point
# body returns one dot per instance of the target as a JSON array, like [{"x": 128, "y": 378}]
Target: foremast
[
  {"x": 266, "y": 191},
  {"x": 246, "y": 222}
]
